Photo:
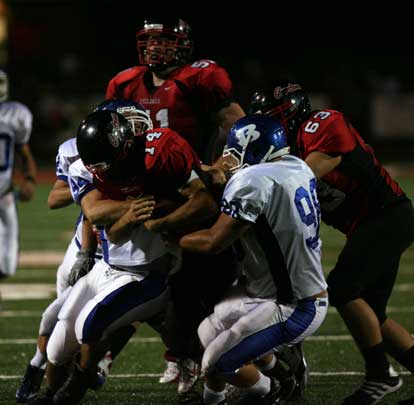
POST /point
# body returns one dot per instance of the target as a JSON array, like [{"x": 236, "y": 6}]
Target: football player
[
  {"x": 194, "y": 98},
  {"x": 270, "y": 204},
  {"x": 129, "y": 284},
  {"x": 359, "y": 198},
  {"x": 16, "y": 128},
  {"x": 79, "y": 258},
  {"x": 190, "y": 97}
]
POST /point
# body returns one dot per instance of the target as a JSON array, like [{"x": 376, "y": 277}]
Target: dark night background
[{"x": 61, "y": 54}]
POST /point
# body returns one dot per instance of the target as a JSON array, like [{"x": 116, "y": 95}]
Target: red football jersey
[
  {"x": 184, "y": 102},
  {"x": 366, "y": 185},
  {"x": 169, "y": 160}
]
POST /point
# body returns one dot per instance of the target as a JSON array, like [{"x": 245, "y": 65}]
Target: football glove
[{"x": 85, "y": 260}]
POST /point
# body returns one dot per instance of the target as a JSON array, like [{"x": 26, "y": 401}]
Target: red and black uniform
[
  {"x": 359, "y": 198},
  {"x": 185, "y": 101},
  {"x": 169, "y": 160}
]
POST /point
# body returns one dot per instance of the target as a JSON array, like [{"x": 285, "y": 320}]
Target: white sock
[
  {"x": 38, "y": 359},
  {"x": 211, "y": 397},
  {"x": 268, "y": 366},
  {"x": 262, "y": 387}
]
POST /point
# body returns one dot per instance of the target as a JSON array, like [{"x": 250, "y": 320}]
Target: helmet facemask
[
  {"x": 139, "y": 120},
  {"x": 160, "y": 46},
  {"x": 236, "y": 158}
]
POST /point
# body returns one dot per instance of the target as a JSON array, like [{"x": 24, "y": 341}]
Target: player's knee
[
  {"x": 91, "y": 323},
  {"x": 340, "y": 292},
  {"x": 50, "y": 317},
  {"x": 227, "y": 364},
  {"x": 206, "y": 331},
  {"x": 379, "y": 308},
  {"x": 62, "y": 344}
]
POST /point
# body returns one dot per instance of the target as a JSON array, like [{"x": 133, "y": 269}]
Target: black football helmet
[
  {"x": 287, "y": 102},
  {"x": 103, "y": 138},
  {"x": 162, "y": 43}
]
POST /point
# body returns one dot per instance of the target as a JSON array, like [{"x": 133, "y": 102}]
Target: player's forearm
[
  {"x": 89, "y": 241},
  {"x": 188, "y": 216},
  {"x": 200, "y": 242},
  {"x": 29, "y": 167},
  {"x": 59, "y": 198},
  {"x": 227, "y": 116},
  {"x": 120, "y": 231},
  {"x": 103, "y": 211}
]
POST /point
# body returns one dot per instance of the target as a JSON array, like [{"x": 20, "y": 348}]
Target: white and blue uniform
[
  {"x": 282, "y": 270},
  {"x": 127, "y": 285},
  {"x": 67, "y": 154},
  {"x": 15, "y": 131}
]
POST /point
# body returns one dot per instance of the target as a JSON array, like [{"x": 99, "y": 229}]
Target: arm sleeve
[
  {"x": 245, "y": 196},
  {"x": 80, "y": 181},
  {"x": 216, "y": 88},
  {"x": 335, "y": 139},
  {"x": 111, "y": 89},
  {"x": 23, "y": 124}
]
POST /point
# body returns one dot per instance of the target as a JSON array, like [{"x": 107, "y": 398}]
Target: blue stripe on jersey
[
  {"x": 275, "y": 259},
  {"x": 119, "y": 302},
  {"x": 62, "y": 177},
  {"x": 254, "y": 346},
  {"x": 105, "y": 249},
  {"x": 85, "y": 189}
]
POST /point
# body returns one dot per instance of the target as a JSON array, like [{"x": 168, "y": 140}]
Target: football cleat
[
  {"x": 103, "y": 369},
  {"x": 30, "y": 384},
  {"x": 189, "y": 371},
  {"x": 74, "y": 388},
  {"x": 271, "y": 398},
  {"x": 373, "y": 390},
  {"x": 295, "y": 361},
  {"x": 171, "y": 373},
  {"x": 43, "y": 398}
]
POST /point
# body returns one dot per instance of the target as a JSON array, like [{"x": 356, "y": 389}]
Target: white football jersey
[
  {"x": 143, "y": 247},
  {"x": 67, "y": 154},
  {"x": 15, "y": 129},
  {"x": 282, "y": 251}
]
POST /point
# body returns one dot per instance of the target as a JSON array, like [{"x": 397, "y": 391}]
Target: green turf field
[{"x": 335, "y": 365}]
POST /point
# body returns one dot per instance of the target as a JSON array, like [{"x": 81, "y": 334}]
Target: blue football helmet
[
  {"x": 255, "y": 139},
  {"x": 135, "y": 113}
]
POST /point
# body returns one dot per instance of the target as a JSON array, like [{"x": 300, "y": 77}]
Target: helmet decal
[
  {"x": 279, "y": 91},
  {"x": 247, "y": 134},
  {"x": 114, "y": 136}
]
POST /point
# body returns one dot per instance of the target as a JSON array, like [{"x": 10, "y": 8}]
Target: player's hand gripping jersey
[
  {"x": 365, "y": 184},
  {"x": 184, "y": 101}
]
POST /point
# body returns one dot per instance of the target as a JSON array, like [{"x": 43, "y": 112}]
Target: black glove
[{"x": 83, "y": 264}]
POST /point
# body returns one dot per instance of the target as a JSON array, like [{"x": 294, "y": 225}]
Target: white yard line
[
  {"x": 26, "y": 291},
  {"x": 154, "y": 375},
  {"x": 154, "y": 339},
  {"x": 40, "y": 258},
  {"x": 28, "y": 314},
  {"x": 33, "y": 341}
]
